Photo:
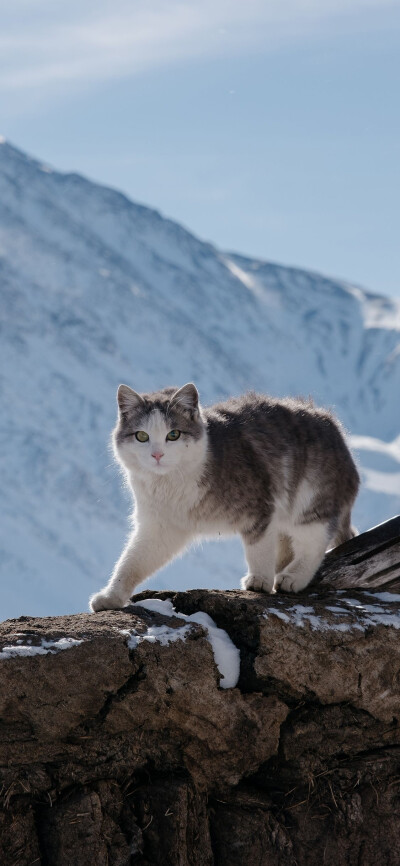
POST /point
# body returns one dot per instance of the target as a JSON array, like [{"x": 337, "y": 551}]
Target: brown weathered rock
[
  {"x": 121, "y": 750},
  {"x": 368, "y": 561}
]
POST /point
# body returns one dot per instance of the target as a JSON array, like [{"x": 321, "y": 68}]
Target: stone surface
[
  {"x": 119, "y": 749},
  {"x": 367, "y": 561}
]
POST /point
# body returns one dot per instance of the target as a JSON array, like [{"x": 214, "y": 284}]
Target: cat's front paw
[
  {"x": 286, "y": 582},
  {"x": 257, "y": 583},
  {"x": 106, "y": 600}
]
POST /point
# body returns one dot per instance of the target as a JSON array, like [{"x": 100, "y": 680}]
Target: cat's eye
[
  {"x": 141, "y": 436},
  {"x": 173, "y": 435}
]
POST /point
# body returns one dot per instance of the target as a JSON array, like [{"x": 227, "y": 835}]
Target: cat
[{"x": 278, "y": 472}]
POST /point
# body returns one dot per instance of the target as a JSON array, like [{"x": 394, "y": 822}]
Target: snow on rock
[
  {"x": 383, "y": 596},
  {"x": 301, "y": 615},
  {"x": 158, "y": 605},
  {"x": 226, "y": 654},
  {"x": 156, "y": 634},
  {"x": 45, "y": 647},
  {"x": 343, "y": 618}
]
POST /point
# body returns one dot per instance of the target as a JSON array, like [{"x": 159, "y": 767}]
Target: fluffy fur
[{"x": 278, "y": 472}]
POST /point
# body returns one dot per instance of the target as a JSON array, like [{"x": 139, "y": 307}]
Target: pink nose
[{"x": 157, "y": 455}]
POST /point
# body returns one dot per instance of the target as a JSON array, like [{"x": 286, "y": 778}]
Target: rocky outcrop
[{"x": 119, "y": 744}]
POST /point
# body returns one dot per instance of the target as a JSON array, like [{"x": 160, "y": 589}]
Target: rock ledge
[{"x": 119, "y": 746}]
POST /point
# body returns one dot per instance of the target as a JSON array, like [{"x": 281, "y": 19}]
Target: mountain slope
[{"x": 97, "y": 290}]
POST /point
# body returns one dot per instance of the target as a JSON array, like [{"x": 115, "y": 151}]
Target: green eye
[
  {"x": 173, "y": 435},
  {"x": 141, "y": 436}
]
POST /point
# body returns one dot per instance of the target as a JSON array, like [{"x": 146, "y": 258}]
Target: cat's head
[{"x": 160, "y": 432}]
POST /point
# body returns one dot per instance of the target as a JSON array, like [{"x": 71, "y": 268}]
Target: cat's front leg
[
  {"x": 261, "y": 557},
  {"x": 148, "y": 549}
]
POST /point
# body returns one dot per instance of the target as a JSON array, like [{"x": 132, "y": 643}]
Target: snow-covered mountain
[{"x": 97, "y": 290}]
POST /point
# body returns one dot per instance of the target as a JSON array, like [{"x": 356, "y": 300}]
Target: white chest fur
[{"x": 172, "y": 497}]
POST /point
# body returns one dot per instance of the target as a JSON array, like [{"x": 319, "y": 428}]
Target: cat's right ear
[{"x": 128, "y": 400}]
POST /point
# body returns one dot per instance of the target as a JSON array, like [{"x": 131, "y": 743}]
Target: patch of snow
[
  {"x": 383, "y": 596},
  {"x": 353, "y": 602},
  {"x": 279, "y": 613},
  {"x": 367, "y": 614},
  {"x": 9, "y": 652},
  {"x": 335, "y": 609},
  {"x": 376, "y": 614},
  {"x": 247, "y": 279},
  {"x": 162, "y": 634},
  {"x": 344, "y": 626},
  {"x": 300, "y": 616},
  {"x": 46, "y": 646},
  {"x": 382, "y": 313},
  {"x": 157, "y": 605},
  {"x": 226, "y": 654}
]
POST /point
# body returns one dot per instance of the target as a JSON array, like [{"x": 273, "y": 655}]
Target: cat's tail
[{"x": 345, "y": 530}]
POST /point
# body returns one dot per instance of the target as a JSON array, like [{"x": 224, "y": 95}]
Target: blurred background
[{"x": 188, "y": 191}]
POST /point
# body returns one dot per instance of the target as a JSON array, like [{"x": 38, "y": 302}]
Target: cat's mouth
[{"x": 159, "y": 468}]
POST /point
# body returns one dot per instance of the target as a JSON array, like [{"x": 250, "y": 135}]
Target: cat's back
[
  {"x": 242, "y": 414},
  {"x": 277, "y": 426},
  {"x": 253, "y": 412}
]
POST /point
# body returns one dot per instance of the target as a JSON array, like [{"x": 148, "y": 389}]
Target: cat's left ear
[{"x": 187, "y": 398}]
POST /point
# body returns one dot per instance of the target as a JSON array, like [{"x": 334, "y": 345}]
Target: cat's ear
[
  {"x": 187, "y": 398},
  {"x": 128, "y": 400}
]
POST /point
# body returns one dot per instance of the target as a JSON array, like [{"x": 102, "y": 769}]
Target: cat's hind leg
[
  {"x": 309, "y": 542},
  {"x": 261, "y": 556}
]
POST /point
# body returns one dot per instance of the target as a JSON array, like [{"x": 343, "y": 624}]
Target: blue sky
[{"x": 270, "y": 127}]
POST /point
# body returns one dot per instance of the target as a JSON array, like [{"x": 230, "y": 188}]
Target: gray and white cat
[{"x": 278, "y": 472}]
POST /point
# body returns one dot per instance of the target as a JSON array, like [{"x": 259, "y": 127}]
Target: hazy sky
[{"x": 270, "y": 127}]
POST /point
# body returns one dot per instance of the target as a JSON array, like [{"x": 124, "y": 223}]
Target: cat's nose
[{"x": 157, "y": 455}]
